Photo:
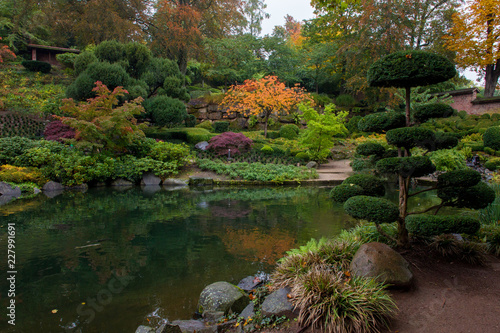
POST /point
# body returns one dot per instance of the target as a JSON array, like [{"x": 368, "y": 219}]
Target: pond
[{"x": 102, "y": 261}]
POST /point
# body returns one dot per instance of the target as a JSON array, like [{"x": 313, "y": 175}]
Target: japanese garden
[{"x": 167, "y": 167}]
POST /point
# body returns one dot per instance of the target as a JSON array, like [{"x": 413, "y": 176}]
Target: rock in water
[
  {"x": 193, "y": 326},
  {"x": 222, "y": 296},
  {"x": 379, "y": 261},
  {"x": 150, "y": 179},
  {"x": 7, "y": 190},
  {"x": 52, "y": 186},
  {"x": 278, "y": 304}
]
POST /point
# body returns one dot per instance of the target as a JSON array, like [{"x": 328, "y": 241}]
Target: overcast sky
[{"x": 278, "y": 9}]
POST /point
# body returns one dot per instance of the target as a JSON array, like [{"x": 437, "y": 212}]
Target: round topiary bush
[
  {"x": 478, "y": 196},
  {"x": 83, "y": 60},
  {"x": 110, "y": 51},
  {"x": 206, "y": 124},
  {"x": 81, "y": 88},
  {"x": 371, "y": 185},
  {"x": 111, "y": 75},
  {"x": 37, "y": 66},
  {"x": 289, "y": 131},
  {"x": 491, "y": 138},
  {"x": 268, "y": 150},
  {"x": 444, "y": 141},
  {"x": 410, "y": 69},
  {"x": 412, "y": 166},
  {"x": 165, "y": 111},
  {"x": 492, "y": 164},
  {"x": 425, "y": 112},
  {"x": 370, "y": 148},
  {"x": 409, "y": 137},
  {"x": 459, "y": 178},
  {"x": 221, "y": 126},
  {"x": 352, "y": 124},
  {"x": 380, "y": 122},
  {"x": 343, "y": 192},
  {"x": 434, "y": 225},
  {"x": 377, "y": 210}
]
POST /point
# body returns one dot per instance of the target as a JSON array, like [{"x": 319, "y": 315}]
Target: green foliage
[
  {"x": 81, "y": 88},
  {"x": 370, "y": 148},
  {"x": 267, "y": 150},
  {"x": 345, "y": 100},
  {"x": 425, "y": 112},
  {"x": 362, "y": 164},
  {"x": 411, "y": 166},
  {"x": 433, "y": 225},
  {"x": 188, "y": 135},
  {"x": 258, "y": 171},
  {"x": 448, "y": 246},
  {"x": 410, "y": 69},
  {"x": 18, "y": 124},
  {"x": 492, "y": 164},
  {"x": 37, "y": 66},
  {"x": 448, "y": 159},
  {"x": 83, "y": 60},
  {"x": 371, "y": 185},
  {"x": 491, "y": 138},
  {"x": 138, "y": 56},
  {"x": 110, "y": 51},
  {"x": 343, "y": 192},
  {"x": 381, "y": 122},
  {"x": 190, "y": 120},
  {"x": 377, "y": 210},
  {"x": 289, "y": 131},
  {"x": 12, "y": 147},
  {"x": 352, "y": 124},
  {"x": 321, "y": 128},
  {"x": 444, "y": 141},
  {"x": 165, "y": 111},
  {"x": 409, "y": 137},
  {"x": 321, "y": 99},
  {"x": 475, "y": 197},
  {"x": 170, "y": 152},
  {"x": 206, "y": 124},
  {"x": 491, "y": 235},
  {"x": 67, "y": 59},
  {"x": 164, "y": 78},
  {"x": 18, "y": 175},
  {"x": 459, "y": 178},
  {"x": 221, "y": 126},
  {"x": 102, "y": 125}
]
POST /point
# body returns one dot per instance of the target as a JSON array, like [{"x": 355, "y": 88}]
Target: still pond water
[{"x": 108, "y": 260}]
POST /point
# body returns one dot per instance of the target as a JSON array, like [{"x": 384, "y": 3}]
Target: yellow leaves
[{"x": 54, "y": 311}]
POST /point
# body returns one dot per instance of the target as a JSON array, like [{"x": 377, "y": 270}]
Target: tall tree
[
  {"x": 475, "y": 37},
  {"x": 254, "y": 11}
]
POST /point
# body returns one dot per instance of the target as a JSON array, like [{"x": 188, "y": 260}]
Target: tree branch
[
  {"x": 428, "y": 209},
  {"x": 383, "y": 233},
  {"x": 422, "y": 191}
]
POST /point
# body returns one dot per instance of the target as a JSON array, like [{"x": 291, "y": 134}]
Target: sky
[{"x": 278, "y": 9}]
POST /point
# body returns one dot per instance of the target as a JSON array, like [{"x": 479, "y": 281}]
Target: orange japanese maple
[
  {"x": 6, "y": 53},
  {"x": 264, "y": 97}
]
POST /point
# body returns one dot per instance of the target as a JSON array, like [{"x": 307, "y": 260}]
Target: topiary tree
[
  {"x": 462, "y": 188},
  {"x": 165, "y": 111},
  {"x": 407, "y": 69},
  {"x": 424, "y": 112}
]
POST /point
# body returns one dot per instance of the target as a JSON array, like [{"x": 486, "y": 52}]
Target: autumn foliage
[
  {"x": 264, "y": 97},
  {"x": 6, "y": 53}
]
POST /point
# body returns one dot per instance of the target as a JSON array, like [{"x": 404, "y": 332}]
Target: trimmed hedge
[
  {"x": 221, "y": 126},
  {"x": 492, "y": 164},
  {"x": 289, "y": 131},
  {"x": 372, "y": 209},
  {"x": 412, "y": 166},
  {"x": 370, "y": 148},
  {"x": 165, "y": 111},
  {"x": 425, "y": 112},
  {"x": 352, "y": 124},
  {"x": 491, "y": 138},
  {"x": 343, "y": 192},
  {"x": 37, "y": 66},
  {"x": 444, "y": 141},
  {"x": 433, "y": 225},
  {"x": 371, "y": 185},
  {"x": 409, "y": 137},
  {"x": 475, "y": 197},
  {"x": 459, "y": 178},
  {"x": 410, "y": 69},
  {"x": 380, "y": 122}
]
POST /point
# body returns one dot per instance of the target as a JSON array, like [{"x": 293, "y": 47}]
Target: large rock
[
  {"x": 312, "y": 165},
  {"x": 7, "y": 190},
  {"x": 224, "y": 297},
  {"x": 175, "y": 182},
  {"x": 168, "y": 328},
  {"x": 278, "y": 304},
  {"x": 52, "y": 187},
  {"x": 121, "y": 182},
  {"x": 144, "y": 329},
  {"x": 203, "y": 145},
  {"x": 248, "y": 312},
  {"x": 249, "y": 283},
  {"x": 150, "y": 179},
  {"x": 379, "y": 261},
  {"x": 193, "y": 326},
  {"x": 200, "y": 181}
]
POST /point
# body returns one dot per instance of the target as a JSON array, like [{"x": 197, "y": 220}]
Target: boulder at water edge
[
  {"x": 379, "y": 261},
  {"x": 52, "y": 187},
  {"x": 222, "y": 297},
  {"x": 191, "y": 326},
  {"x": 278, "y": 304},
  {"x": 7, "y": 190},
  {"x": 150, "y": 179},
  {"x": 144, "y": 329}
]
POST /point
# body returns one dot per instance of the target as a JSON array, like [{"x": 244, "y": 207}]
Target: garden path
[{"x": 334, "y": 170}]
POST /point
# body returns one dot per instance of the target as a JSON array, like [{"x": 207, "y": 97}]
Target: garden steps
[{"x": 334, "y": 171}]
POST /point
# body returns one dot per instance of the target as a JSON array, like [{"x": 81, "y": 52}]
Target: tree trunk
[
  {"x": 265, "y": 125},
  {"x": 491, "y": 79},
  {"x": 407, "y": 109}
]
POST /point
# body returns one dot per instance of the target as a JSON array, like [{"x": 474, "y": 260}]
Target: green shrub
[
  {"x": 272, "y": 134},
  {"x": 37, "y": 66},
  {"x": 321, "y": 99},
  {"x": 491, "y": 138},
  {"x": 459, "y": 178},
  {"x": 489, "y": 151},
  {"x": 462, "y": 114},
  {"x": 190, "y": 120},
  {"x": 12, "y": 147},
  {"x": 352, "y": 124},
  {"x": 345, "y": 100},
  {"x": 444, "y": 141},
  {"x": 491, "y": 234},
  {"x": 425, "y": 112},
  {"x": 475, "y": 197},
  {"x": 110, "y": 51},
  {"x": 433, "y": 225},
  {"x": 221, "y": 126},
  {"x": 138, "y": 56},
  {"x": 411, "y": 166},
  {"x": 289, "y": 131},
  {"x": 371, "y": 185},
  {"x": 302, "y": 156},
  {"x": 267, "y": 150},
  {"x": 67, "y": 59},
  {"x": 81, "y": 88},
  {"x": 370, "y": 148},
  {"x": 448, "y": 160},
  {"x": 361, "y": 164},
  {"x": 377, "y": 210},
  {"x": 380, "y": 122},
  {"x": 170, "y": 152},
  {"x": 83, "y": 60},
  {"x": 111, "y": 75},
  {"x": 492, "y": 164},
  {"x": 409, "y": 137},
  {"x": 206, "y": 124},
  {"x": 165, "y": 111},
  {"x": 410, "y": 69},
  {"x": 341, "y": 193}
]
